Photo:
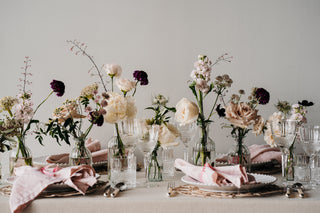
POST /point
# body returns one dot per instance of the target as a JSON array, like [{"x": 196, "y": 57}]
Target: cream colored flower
[
  {"x": 167, "y": 135},
  {"x": 275, "y": 118},
  {"x": 125, "y": 85},
  {"x": 116, "y": 109},
  {"x": 89, "y": 91},
  {"x": 241, "y": 114},
  {"x": 187, "y": 111},
  {"x": 131, "y": 107},
  {"x": 268, "y": 138},
  {"x": 68, "y": 110},
  {"x": 258, "y": 125},
  {"x": 6, "y": 103},
  {"x": 113, "y": 70}
]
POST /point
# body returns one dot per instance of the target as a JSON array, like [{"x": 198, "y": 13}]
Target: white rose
[
  {"x": 131, "y": 107},
  {"x": 167, "y": 135},
  {"x": 187, "y": 111},
  {"x": 125, "y": 85},
  {"x": 116, "y": 108},
  {"x": 113, "y": 70}
]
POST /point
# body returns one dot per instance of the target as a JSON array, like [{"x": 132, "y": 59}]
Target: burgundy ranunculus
[
  {"x": 305, "y": 103},
  {"x": 262, "y": 96},
  {"x": 141, "y": 76},
  {"x": 57, "y": 87},
  {"x": 96, "y": 118}
]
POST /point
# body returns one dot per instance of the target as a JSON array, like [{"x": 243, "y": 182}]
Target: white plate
[
  {"x": 42, "y": 162},
  {"x": 11, "y": 180},
  {"x": 225, "y": 163},
  {"x": 262, "y": 180}
]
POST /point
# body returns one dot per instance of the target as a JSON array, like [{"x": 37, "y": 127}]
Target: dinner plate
[
  {"x": 41, "y": 161},
  {"x": 11, "y": 180},
  {"x": 262, "y": 180}
]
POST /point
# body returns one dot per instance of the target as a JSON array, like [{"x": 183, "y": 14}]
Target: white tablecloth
[{"x": 154, "y": 199}]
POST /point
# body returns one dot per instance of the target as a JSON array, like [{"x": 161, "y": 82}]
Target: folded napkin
[
  {"x": 259, "y": 153},
  {"x": 31, "y": 181},
  {"x": 94, "y": 146},
  {"x": 215, "y": 175},
  {"x": 264, "y": 153}
]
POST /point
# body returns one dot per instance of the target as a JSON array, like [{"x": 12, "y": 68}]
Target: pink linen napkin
[
  {"x": 264, "y": 153},
  {"x": 94, "y": 146},
  {"x": 31, "y": 181},
  {"x": 259, "y": 153},
  {"x": 215, "y": 175}
]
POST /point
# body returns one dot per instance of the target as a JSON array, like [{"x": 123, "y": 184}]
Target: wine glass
[
  {"x": 187, "y": 133},
  {"x": 128, "y": 134},
  {"x": 284, "y": 133},
  {"x": 310, "y": 142},
  {"x": 147, "y": 139}
]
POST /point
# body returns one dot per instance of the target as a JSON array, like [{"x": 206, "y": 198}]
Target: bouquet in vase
[
  {"x": 167, "y": 135},
  {"x": 241, "y": 116},
  {"x": 201, "y": 87},
  {"x": 67, "y": 121},
  {"x": 121, "y": 109},
  {"x": 17, "y": 117}
]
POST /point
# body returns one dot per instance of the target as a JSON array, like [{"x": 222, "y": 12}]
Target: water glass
[
  {"x": 315, "y": 170},
  {"x": 302, "y": 172},
  {"x": 168, "y": 163},
  {"x": 123, "y": 170}
]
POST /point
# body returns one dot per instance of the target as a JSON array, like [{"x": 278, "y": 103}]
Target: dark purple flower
[
  {"x": 96, "y": 118},
  {"x": 262, "y": 96},
  {"x": 221, "y": 111},
  {"x": 141, "y": 76},
  {"x": 57, "y": 87},
  {"x": 305, "y": 103}
]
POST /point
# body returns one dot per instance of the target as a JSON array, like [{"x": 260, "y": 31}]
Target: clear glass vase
[
  {"x": 80, "y": 154},
  {"x": 240, "y": 154},
  {"x": 204, "y": 150},
  {"x": 20, "y": 155},
  {"x": 155, "y": 165}
]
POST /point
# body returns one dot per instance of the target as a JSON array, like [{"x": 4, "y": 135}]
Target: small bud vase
[{"x": 80, "y": 154}]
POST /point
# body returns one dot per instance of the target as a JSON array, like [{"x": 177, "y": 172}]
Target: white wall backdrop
[{"x": 275, "y": 45}]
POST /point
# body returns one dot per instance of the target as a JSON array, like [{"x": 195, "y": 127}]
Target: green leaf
[
  {"x": 192, "y": 86},
  {"x": 172, "y": 109}
]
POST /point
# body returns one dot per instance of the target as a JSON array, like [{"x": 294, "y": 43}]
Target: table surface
[{"x": 154, "y": 199}]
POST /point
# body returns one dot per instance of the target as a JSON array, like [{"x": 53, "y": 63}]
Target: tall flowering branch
[
  {"x": 81, "y": 48},
  {"x": 201, "y": 86}
]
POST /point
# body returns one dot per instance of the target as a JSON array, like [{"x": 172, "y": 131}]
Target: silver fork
[{"x": 170, "y": 189}]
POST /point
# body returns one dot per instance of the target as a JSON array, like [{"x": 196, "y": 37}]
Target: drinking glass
[
  {"x": 147, "y": 139},
  {"x": 284, "y": 133},
  {"x": 187, "y": 133},
  {"x": 128, "y": 134},
  {"x": 310, "y": 141},
  {"x": 123, "y": 170}
]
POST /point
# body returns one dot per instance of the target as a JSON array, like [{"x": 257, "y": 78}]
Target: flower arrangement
[
  {"x": 18, "y": 115},
  {"x": 241, "y": 116},
  {"x": 296, "y": 112},
  {"x": 201, "y": 86},
  {"x": 167, "y": 132},
  {"x": 67, "y": 120},
  {"x": 120, "y": 106}
]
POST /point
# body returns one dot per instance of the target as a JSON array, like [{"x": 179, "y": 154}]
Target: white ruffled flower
[
  {"x": 113, "y": 70},
  {"x": 275, "y": 118},
  {"x": 131, "y": 107},
  {"x": 125, "y": 85},
  {"x": 116, "y": 108},
  {"x": 168, "y": 134},
  {"x": 187, "y": 111}
]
